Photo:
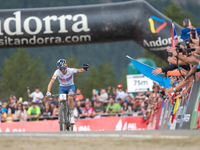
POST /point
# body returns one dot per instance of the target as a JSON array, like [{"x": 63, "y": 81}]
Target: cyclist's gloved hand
[
  {"x": 86, "y": 66},
  {"x": 48, "y": 94}
]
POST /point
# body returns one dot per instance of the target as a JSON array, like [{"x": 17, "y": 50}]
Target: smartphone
[
  {"x": 186, "y": 20},
  {"x": 27, "y": 87},
  {"x": 193, "y": 33}
]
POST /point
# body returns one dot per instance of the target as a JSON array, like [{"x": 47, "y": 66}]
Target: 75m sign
[{"x": 138, "y": 83}]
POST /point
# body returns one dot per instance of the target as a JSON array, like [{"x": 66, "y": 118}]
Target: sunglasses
[{"x": 62, "y": 69}]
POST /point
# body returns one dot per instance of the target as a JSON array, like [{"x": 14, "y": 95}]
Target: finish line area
[
  {"x": 98, "y": 140},
  {"x": 168, "y": 134}
]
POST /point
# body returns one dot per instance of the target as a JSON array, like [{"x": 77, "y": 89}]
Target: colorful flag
[
  {"x": 174, "y": 35},
  {"x": 175, "y": 109}
]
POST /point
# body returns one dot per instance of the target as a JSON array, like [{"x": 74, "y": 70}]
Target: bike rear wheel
[{"x": 62, "y": 117}]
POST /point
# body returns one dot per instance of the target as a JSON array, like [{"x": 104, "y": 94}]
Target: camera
[
  {"x": 193, "y": 33},
  {"x": 178, "y": 48},
  {"x": 188, "y": 48},
  {"x": 170, "y": 54}
]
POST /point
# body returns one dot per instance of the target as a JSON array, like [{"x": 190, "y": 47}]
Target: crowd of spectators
[{"x": 108, "y": 102}]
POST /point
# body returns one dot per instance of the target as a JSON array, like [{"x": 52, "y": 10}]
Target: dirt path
[{"x": 35, "y": 143}]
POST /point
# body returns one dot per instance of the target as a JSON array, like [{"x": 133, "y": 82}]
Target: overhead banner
[
  {"x": 138, "y": 83},
  {"x": 134, "y": 20}
]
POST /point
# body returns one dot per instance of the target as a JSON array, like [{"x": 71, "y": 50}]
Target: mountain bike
[{"x": 64, "y": 112}]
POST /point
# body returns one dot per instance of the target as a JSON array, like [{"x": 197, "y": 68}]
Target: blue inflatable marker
[{"x": 147, "y": 71}]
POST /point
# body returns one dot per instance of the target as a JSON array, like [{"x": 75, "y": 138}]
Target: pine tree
[{"x": 20, "y": 71}]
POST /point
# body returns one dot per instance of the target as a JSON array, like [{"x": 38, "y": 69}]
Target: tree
[
  {"x": 123, "y": 80},
  {"x": 20, "y": 71},
  {"x": 175, "y": 13},
  {"x": 103, "y": 76}
]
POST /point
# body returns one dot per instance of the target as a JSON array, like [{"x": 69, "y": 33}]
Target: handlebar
[{"x": 57, "y": 95}]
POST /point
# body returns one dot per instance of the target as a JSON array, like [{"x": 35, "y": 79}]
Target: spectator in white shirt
[
  {"x": 120, "y": 93},
  {"x": 37, "y": 95},
  {"x": 103, "y": 95}
]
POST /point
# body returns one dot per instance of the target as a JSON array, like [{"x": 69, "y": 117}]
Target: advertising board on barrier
[
  {"x": 98, "y": 124},
  {"x": 138, "y": 83}
]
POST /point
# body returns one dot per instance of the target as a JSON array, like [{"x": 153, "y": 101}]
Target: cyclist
[{"x": 65, "y": 77}]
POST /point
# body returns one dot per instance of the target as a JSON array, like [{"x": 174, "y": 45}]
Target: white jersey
[{"x": 65, "y": 79}]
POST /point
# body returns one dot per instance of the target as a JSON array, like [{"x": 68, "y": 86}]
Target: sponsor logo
[
  {"x": 33, "y": 26},
  {"x": 152, "y": 27},
  {"x": 159, "y": 44}
]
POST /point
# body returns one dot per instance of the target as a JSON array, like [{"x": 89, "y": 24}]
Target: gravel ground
[{"x": 38, "y": 143}]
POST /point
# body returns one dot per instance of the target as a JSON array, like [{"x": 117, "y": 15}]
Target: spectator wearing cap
[
  {"x": 112, "y": 106},
  {"x": 82, "y": 103},
  {"x": 25, "y": 105},
  {"x": 99, "y": 109},
  {"x": 103, "y": 95},
  {"x": 87, "y": 110},
  {"x": 37, "y": 95},
  {"x": 34, "y": 112},
  {"x": 79, "y": 96},
  {"x": 125, "y": 108},
  {"x": 21, "y": 113},
  {"x": 119, "y": 93}
]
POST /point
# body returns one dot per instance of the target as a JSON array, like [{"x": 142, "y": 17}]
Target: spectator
[
  {"x": 79, "y": 108},
  {"x": 80, "y": 96},
  {"x": 125, "y": 108},
  {"x": 25, "y": 105},
  {"x": 37, "y": 95},
  {"x": 21, "y": 113},
  {"x": 10, "y": 116},
  {"x": 34, "y": 112},
  {"x": 29, "y": 103},
  {"x": 1, "y": 113},
  {"x": 53, "y": 105},
  {"x": 87, "y": 110},
  {"x": 47, "y": 111},
  {"x": 120, "y": 93},
  {"x": 129, "y": 102},
  {"x": 94, "y": 95},
  {"x": 103, "y": 95},
  {"x": 119, "y": 101},
  {"x": 3, "y": 107},
  {"x": 99, "y": 109},
  {"x": 39, "y": 104},
  {"x": 82, "y": 103},
  {"x": 129, "y": 94},
  {"x": 112, "y": 106}
]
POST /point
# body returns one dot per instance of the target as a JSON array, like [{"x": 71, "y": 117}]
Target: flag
[
  {"x": 174, "y": 35},
  {"x": 175, "y": 109},
  {"x": 173, "y": 97},
  {"x": 147, "y": 71}
]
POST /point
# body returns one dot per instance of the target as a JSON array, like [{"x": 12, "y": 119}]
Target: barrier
[{"x": 98, "y": 124}]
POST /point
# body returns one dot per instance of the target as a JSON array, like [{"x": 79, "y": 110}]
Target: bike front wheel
[{"x": 62, "y": 116}]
